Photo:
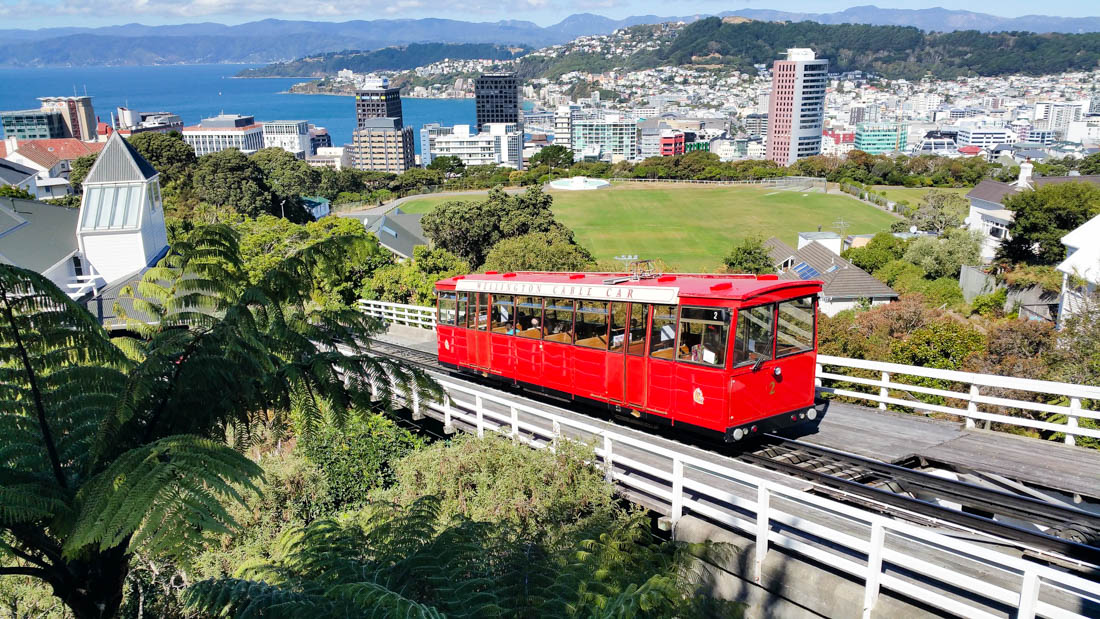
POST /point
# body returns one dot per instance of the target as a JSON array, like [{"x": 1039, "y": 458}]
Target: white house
[
  {"x": 121, "y": 224},
  {"x": 1081, "y": 268},
  {"x": 19, "y": 176},
  {"x": 991, "y": 219}
]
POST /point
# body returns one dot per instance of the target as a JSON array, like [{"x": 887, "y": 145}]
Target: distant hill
[
  {"x": 389, "y": 58},
  {"x": 273, "y": 40}
]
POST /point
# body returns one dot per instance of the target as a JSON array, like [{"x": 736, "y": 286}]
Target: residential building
[
  {"x": 428, "y": 135},
  {"x": 616, "y": 138},
  {"x": 130, "y": 122},
  {"x": 18, "y": 176},
  {"x": 796, "y": 110},
  {"x": 290, "y": 135},
  {"x": 1081, "y": 269},
  {"x": 991, "y": 219},
  {"x": 1057, "y": 115},
  {"x": 378, "y": 100},
  {"x": 335, "y": 157},
  {"x": 397, "y": 231},
  {"x": 65, "y": 149},
  {"x": 498, "y": 144},
  {"x": 76, "y": 112},
  {"x": 879, "y": 138},
  {"x": 33, "y": 124},
  {"x": 497, "y": 97},
  {"x": 225, "y": 131},
  {"x": 845, "y": 285},
  {"x": 39, "y": 237},
  {"x": 384, "y": 145},
  {"x": 672, "y": 143},
  {"x": 50, "y": 171},
  {"x": 756, "y": 124},
  {"x": 564, "y": 116},
  {"x": 649, "y": 140}
]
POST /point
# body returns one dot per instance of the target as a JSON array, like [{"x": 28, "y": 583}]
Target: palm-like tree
[{"x": 111, "y": 446}]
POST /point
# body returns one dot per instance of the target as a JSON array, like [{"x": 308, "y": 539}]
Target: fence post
[
  {"x": 557, "y": 434},
  {"x": 1071, "y": 421},
  {"x": 448, "y": 427},
  {"x": 884, "y": 392},
  {"x": 763, "y": 524},
  {"x": 972, "y": 406},
  {"x": 609, "y": 471},
  {"x": 677, "y": 490},
  {"x": 480, "y": 417},
  {"x": 1029, "y": 594},
  {"x": 874, "y": 568},
  {"x": 515, "y": 422}
]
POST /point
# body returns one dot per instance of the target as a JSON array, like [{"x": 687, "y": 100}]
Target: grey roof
[
  {"x": 842, "y": 279},
  {"x": 35, "y": 235},
  {"x": 397, "y": 231},
  {"x": 102, "y": 303},
  {"x": 995, "y": 192},
  {"x": 119, "y": 161},
  {"x": 12, "y": 173}
]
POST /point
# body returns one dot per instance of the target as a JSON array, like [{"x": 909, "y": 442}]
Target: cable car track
[{"x": 893, "y": 489}]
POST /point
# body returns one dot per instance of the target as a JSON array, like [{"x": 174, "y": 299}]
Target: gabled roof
[
  {"x": 38, "y": 154},
  {"x": 995, "y": 192},
  {"x": 35, "y": 235},
  {"x": 1085, "y": 259},
  {"x": 841, "y": 278},
  {"x": 12, "y": 173},
  {"x": 119, "y": 162},
  {"x": 397, "y": 231},
  {"x": 65, "y": 149}
]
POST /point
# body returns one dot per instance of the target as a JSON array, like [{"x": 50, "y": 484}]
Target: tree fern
[{"x": 108, "y": 446}]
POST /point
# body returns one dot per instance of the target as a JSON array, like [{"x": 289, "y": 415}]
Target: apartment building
[
  {"x": 225, "y": 131},
  {"x": 290, "y": 135},
  {"x": 383, "y": 145},
  {"x": 498, "y": 144},
  {"x": 796, "y": 109}
]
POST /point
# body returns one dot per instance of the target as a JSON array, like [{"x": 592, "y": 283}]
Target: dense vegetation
[{"x": 388, "y": 58}]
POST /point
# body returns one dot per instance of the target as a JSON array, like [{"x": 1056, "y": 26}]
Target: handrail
[
  {"x": 809, "y": 530},
  {"x": 1062, "y": 408}
]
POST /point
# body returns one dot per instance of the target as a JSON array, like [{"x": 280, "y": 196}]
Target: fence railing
[
  {"x": 1042, "y": 405},
  {"x": 941, "y": 571}
]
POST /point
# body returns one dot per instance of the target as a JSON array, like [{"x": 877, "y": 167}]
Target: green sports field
[
  {"x": 914, "y": 194},
  {"x": 692, "y": 228}
]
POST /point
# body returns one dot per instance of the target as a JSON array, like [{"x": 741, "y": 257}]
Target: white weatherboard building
[
  {"x": 1081, "y": 268},
  {"x": 120, "y": 229}
]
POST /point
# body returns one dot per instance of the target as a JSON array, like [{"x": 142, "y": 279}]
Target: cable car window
[
  {"x": 754, "y": 335},
  {"x": 795, "y": 331},
  {"x": 463, "y": 303},
  {"x": 529, "y": 317},
  {"x": 481, "y": 318},
  {"x": 662, "y": 334},
  {"x": 637, "y": 330},
  {"x": 558, "y": 321},
  {"x": 592, "y": 324},
  {"x": 618, "y": 326},
  {"x": 447, "y": 307},
  {"x": 703, "y": 333},
  {"x": 503, "y": 313}
]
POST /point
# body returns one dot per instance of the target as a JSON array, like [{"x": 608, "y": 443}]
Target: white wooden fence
[
  {"x": 953, "y": 575},
  {"x": 1061, "y": 404}
]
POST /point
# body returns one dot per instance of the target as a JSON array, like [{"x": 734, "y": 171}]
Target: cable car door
[
  {"x": 479, "y": 322},
  {"x": 635, "y": 374},
  {"x": 752, "y": 381}
]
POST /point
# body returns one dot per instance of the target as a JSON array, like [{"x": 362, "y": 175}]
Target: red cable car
[{"x": 728, "y": 354}]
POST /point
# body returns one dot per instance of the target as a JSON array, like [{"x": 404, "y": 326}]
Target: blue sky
[{"x": 46, "y": 13}]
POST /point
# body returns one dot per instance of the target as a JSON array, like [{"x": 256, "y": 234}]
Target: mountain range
[{"x": 272, "y": 40}]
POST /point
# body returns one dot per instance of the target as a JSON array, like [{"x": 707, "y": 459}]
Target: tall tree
[
  {"x": 1043, "y": 216},
  {"x": 447, "y": 165},
  {"x": 939, "y": 210},
  {"x": 113, "y": 447},
  {"x": 229, "y": 179},
  {"x": 553, "y": 156},
  {"x": 538, "y": 251},
  {"x": 288, "y": 177},
  {"x": 167, "y": 153}
]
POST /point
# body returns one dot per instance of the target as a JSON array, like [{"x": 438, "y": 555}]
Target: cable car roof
[{"x": 666, "y": 288}]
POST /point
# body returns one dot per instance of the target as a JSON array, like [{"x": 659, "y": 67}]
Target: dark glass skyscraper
[
  {"x": 378, "y": 100},
  {"x": 497, "y": 98}
]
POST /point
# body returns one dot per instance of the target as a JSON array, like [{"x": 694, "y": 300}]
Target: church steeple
[{"x": 121, "y": 225}]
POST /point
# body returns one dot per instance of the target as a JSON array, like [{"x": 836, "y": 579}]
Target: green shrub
[
  {"x": 357, "y": 458},
  {"x": 990, "y": 305}
]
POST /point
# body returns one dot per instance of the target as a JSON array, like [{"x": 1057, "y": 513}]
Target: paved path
[{"x": 389, "y": 206}]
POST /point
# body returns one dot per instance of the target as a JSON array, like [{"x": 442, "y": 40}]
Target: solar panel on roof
[{"x": 806, "y": 271}]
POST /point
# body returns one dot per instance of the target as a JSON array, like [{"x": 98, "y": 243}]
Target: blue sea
[{"x": 198, "y": 91}]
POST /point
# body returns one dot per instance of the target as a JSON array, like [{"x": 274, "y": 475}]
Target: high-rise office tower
[
  {"x": 377, "y": 100},
  {"x": 797, "y": 108},
  {"x": 497, "y": 99},
  {"x": 77, "y": 113}
]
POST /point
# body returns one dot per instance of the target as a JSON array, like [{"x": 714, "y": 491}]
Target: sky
[{"x": 51, "y": 13}]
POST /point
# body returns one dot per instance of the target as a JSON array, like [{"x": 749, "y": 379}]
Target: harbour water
[{"x": 197, "y": 91}]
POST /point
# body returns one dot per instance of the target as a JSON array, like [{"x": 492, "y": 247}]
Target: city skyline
[{"x": 36, "y": 14}]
